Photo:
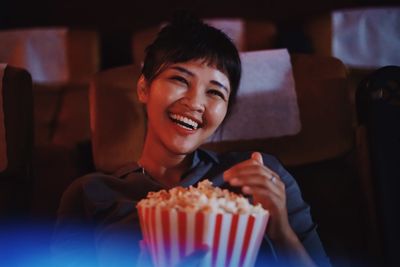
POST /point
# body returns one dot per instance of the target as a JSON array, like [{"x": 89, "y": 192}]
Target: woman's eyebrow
[
  {"x": 181, "y": 69},
  {"x": 220, "y": 85},
  {"x": 188, "y": 72}
]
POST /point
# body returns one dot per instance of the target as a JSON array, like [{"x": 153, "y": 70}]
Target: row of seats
[{"x": 61, "y": 71}]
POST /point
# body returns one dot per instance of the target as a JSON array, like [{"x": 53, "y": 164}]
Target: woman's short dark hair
[{"x": 187, "y": 38}]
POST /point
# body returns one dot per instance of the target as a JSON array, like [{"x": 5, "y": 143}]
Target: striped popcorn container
[{"x": 233, "y": 239}]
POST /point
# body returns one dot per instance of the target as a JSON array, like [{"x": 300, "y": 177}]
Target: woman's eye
[
  {"x": 180, "y": 79},
  {"x": 216, "y": 93}
]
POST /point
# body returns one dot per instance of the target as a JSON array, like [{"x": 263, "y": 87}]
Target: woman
[{"x": 189, "y": 80}]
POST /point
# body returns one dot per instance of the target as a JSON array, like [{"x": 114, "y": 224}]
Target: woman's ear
[{"x": 142, "y": 89}]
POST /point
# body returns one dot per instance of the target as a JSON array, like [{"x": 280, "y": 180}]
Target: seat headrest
[
  {"x": 266, "y": 97},
  {"x": 52, "y": 55}
]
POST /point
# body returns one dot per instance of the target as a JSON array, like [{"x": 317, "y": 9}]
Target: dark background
[{"x": 116, "y": 20}]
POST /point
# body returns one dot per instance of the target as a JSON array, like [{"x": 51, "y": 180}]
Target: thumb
[
  {"x": 144, "y": 258},
  {"x": 196, "y": 257},
  {"x": 258, "y": 157}
]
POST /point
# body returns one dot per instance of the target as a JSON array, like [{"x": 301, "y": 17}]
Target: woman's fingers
[
  {"x": 252, "y": 175},
  {"x": 257, "y": 180},
  {"x": 144, "y": 258},
  {"x": 258, "y": 157},
  {"x": 266, "y": 190},
  {"x": 261, "y": 188},
  {"x": 262, "y": 193},
  {"x": 249, "y": 169},
  {"x": 195, "y": 258}
]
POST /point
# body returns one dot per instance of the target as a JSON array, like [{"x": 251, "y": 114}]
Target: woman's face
[{"x": 185, "y": 104}]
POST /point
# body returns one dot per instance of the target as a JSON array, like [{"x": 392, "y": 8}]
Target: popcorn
[
  {"x": 176, "y": 222},
  {"x": 205, "y": 197}
]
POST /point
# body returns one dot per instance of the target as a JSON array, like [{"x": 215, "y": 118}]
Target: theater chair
[
  {"x": 16, "y": 141},
  {"x": 363, "y": 38},
  {"x": 378, "y": 110},
  {"x": 321, "y": 152},
  {"x": 61, "y": 62}
]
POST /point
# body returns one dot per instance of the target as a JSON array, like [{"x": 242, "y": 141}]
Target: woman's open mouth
[{"x": 185, "y": 122}]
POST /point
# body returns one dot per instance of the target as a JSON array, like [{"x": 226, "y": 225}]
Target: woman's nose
[{"x": 194, "y": 101}]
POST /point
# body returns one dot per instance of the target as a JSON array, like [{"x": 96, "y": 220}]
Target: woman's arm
[
  {"x": 290, "y": 222},
  {"x": 72, "y": 241}
]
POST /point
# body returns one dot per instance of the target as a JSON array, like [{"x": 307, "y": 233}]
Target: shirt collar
[
  {"x": 204, "y": 153},
  {"x": 200, "y": 155},
  {"x": 126, "y": 169}
]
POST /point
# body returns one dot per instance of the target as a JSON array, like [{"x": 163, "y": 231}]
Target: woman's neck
[{"x": 163, "y": 165}]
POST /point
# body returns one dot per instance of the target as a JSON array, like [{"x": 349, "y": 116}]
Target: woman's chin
[{"x": 183, "y": 150}]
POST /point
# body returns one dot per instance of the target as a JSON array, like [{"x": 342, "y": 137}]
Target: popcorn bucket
[{"x": 233, "y": 239}]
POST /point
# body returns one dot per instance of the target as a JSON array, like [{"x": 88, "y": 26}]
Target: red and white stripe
[{"x": 234, "y": 240}]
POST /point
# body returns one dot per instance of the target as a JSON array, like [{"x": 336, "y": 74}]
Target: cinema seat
[{"x": 16, "y": 141}]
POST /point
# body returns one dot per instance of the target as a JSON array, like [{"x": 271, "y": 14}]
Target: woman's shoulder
[
  {"x": 84, "y": 185},
  {"x": 89, "y": 179},
  {"x": 98, "y": 184},
  {"x": 100, "y": 177},
  {"x": 93, "y": 192}
]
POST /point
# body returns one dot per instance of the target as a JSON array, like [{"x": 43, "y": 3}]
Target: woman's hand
[
  {"x": 266, "y": 188},
  {"x": 193, "y": 259}
]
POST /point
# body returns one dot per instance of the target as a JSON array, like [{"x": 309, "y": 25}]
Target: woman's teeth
[{"x": 184, "y": 122}]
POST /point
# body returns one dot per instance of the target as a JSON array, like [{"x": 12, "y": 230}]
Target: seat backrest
[
  {"x": 248, "y": 35},
  {"x": 378, "y": 106},
  {"x": 325, "y": 114},
  {"x": 52, "y": 55},
  {"x": 17, "y": 121},
  {"x": 355, "y": 36},
  {"x": 16, "y": 138},
  {"x": 117, "y": 117},
  {"x": 61, "y": 61}
]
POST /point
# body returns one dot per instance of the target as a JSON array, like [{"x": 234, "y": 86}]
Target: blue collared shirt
[{"x": 98, "y": 222}]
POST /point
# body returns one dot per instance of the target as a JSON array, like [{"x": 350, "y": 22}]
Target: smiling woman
[
  {"x": 185, "y": 104},
  {"x": 189, "y": 80}
]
